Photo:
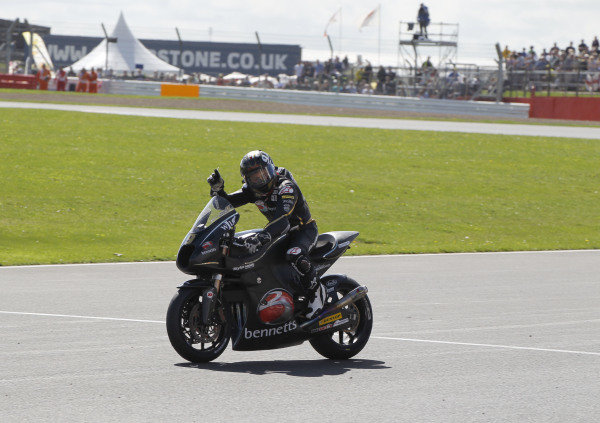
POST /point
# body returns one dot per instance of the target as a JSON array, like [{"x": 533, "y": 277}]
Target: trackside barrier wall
[
  {"x": 376, "y": 102},
  {"x": 179, "y": 90},
  {"x": 113, "y": 86},
  {"x": 27, "y": 82},
  {"x": 310, "y": 98},
  {"x": 571, "y": 108}
]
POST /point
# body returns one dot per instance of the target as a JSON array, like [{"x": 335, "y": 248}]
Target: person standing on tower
[{"x": 423, "y": 19}]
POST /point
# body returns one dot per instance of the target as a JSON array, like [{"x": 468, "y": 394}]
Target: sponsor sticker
[
  {"x": 286, "y": 190},
  {"x": 330, "y": 319},
  {"x": 262, "y": 333},
  {"x": 244, "y": 267},
  {"x": 322, "y": 328},
  {"x": 341, "y": 322},
  {"x": 227, "y": 225},
  {"x": 288, "y": 197}
]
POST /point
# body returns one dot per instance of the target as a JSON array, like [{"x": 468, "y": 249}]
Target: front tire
[
  {"x": 346, "y": 343},
  {"x": 194, "y": 341}
]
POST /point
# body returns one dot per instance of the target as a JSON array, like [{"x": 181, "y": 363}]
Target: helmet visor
[{"x": 259, "y": 179}]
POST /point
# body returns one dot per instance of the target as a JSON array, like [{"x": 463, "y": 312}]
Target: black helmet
[{"x": 258, "y": 171}]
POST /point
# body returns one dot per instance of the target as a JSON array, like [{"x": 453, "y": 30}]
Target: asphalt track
[
  {"x": 511, "y": 337},
  {"x": 405, "y": 124},
  {"x": 501, "y": 337}
]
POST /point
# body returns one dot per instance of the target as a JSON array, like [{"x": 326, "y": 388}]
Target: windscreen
[{"x": 216, "y": 208}]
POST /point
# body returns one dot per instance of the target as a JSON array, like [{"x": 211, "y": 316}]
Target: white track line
[
  {"x": 430, "y": 341},
  {"x": 81, "y": 317},
  {"x": 470, "y": 344}
]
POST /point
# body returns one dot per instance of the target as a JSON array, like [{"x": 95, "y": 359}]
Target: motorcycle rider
[{"x": 278, "y": 197}]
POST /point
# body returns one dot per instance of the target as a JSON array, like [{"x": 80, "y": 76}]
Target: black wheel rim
[
  {"x": 349, "y": 336},
  {"x": 197, "y": 335}
]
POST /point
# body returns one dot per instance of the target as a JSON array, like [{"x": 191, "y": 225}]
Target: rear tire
[
  {"x": 346, "y": 343},
  {"x": 191, "y": 339}
]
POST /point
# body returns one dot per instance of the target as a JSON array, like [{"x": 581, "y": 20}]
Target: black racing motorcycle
[{"x": 253, "y": 299}]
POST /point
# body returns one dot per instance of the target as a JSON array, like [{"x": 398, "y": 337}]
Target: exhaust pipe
[{"x": 351, "y": 297}]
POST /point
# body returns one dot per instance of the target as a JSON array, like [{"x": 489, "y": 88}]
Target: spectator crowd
[
  {"x": 335, "y": 74},
  {"x": 583, "y": 57}
]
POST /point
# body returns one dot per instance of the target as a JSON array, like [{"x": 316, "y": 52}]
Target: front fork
[{"x": 209, "y": 298}]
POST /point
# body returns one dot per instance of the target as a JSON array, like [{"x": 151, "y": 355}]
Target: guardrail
[{"x": 313, "y": 98}]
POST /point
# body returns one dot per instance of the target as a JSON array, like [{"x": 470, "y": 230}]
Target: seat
[{"x": 325, "y": 243}]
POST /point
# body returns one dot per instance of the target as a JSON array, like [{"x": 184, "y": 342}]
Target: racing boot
[
  {"x": 316, "y": 301},
  {"x": 309, "y": 282}
]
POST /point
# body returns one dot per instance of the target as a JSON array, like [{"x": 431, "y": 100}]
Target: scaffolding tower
[{"x": 414, "y": 45}]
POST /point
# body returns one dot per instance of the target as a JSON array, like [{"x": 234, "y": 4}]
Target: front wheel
[
  {"x": 346, "y": 343},
  {"x": 193, "y": 340}
]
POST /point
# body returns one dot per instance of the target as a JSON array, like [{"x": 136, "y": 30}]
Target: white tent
[
  {"x": 235, "y": 75},
  {"x": 127, "y": 54}
]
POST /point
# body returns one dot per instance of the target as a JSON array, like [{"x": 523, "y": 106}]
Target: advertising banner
[{"x": 192, "y": 56}]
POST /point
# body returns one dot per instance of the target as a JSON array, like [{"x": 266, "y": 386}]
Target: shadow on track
[{"x": 302, "y": 368}]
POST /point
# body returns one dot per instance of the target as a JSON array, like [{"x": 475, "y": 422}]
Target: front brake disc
[{"x": 200, "y": 332}]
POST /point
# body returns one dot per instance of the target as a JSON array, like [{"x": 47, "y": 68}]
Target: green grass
[{"x": 94, "y": 188}]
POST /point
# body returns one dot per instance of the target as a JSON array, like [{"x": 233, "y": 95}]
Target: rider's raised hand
[{"x": 216, "y": 182}]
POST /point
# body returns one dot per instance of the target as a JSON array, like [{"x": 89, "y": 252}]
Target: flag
[
  {"x": 333, "y": 19},
  {"x": 39, "y": 52},
  {"x": 369, "y": 18}
]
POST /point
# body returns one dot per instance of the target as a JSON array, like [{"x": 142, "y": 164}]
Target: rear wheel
[
  {"x": 193, "y": 340},
  {"x": 346, "y": 343}
]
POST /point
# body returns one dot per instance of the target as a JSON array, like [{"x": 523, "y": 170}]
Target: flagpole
[
  {"x": 379, "y": 37},
  {"x": 340, "y": 30}
]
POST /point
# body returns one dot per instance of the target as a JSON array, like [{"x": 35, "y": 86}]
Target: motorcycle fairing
[
  {"x": 200, "y": 248},
  {"x": 253, "y": 334}
]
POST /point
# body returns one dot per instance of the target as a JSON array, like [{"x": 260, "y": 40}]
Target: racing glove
[
  {"x": 253, "y": 242},
  {"x": 216, "y": 183}
]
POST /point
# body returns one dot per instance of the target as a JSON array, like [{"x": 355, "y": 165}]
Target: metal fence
[
  {"x": 460, "y": 81},
  {"x": 486, "y": 83},
  {"x": 551, "y": 82}
]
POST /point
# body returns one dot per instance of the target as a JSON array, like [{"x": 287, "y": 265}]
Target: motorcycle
[{"x": 252, "y": 299}]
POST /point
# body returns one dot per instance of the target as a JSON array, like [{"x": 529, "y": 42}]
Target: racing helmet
[{"x": 258, "y": 171}]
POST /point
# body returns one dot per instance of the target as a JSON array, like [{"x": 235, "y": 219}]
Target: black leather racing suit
[{"x": 285, "y": 208}]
